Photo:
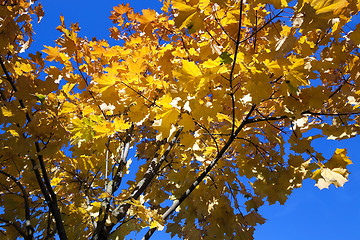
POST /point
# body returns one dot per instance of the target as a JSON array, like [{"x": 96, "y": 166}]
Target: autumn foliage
[{"x": 220, "y": 98}]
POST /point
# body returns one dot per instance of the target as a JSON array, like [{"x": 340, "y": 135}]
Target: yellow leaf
[
  {"x": 105, "y": 81},
  {"x": 14, "y": 133},
  {"x": 122, "y": 8},
  {"x": 190, "y": 76},
  {"x": 104, "y": 195},
  {"x": 25, "y": 67},
  {"x": 330, "y": 177},
  {"x": 222, "y": 117},
  {"x": 120, "y": 124},
  {"x": 147, "y": 16},
  {"x": 6, "y": 112},
  {"x": 355, "y": 35},
  {"x": 103, "y": 129},
  {"x": 55, "y": 181},
  {"x": 136, "y": 67},
  {"x": 187, "y": 122},
  {"x": 157, "y": 225},
  {"x": 186, "y": 12},
  {"x": 190, "y": 68},
  {"x": 67, "y": 108},
  {"x": 318, "y": 10},
  {"x": 274, "y": 67},
  {"x": 259, "y": 86},
  {"x": 166, "y": 120},
  {"x": 210, "y": 151},
  {"x": 53, "y": 53},
  {"x": 68, "y": 87},
  {"x": 339, "y": 159},
  {"x": 165, "y": 101},
  {"x": 326, "y": 6},
  {"x": 211, "y": 64},
  {"x": 96, "y": 204},
  {"x": 170, "y": 116}
]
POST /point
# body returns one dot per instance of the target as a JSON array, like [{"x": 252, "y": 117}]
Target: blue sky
[{"x": 331, "y": 214}]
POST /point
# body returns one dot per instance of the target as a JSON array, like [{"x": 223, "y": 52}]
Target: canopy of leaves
[{"x": 220, "y": 98}]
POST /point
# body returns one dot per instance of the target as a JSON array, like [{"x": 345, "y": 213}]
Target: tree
[{"x": 220, "y": 98}]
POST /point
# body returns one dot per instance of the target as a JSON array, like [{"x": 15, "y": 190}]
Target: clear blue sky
[{"x": 331, "y": 214}]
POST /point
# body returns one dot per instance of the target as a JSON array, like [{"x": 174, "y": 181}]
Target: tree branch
[
  {"x": 45, "y": 185},
  {"x": 222, "y": 28},
  {"x": 120, "y": 211},
  {"x": 113, "y": 185},
  {"x": 209, "y": 133},
  {"x": 29, "y": 228},
  {"x": 307, "y": 112},
  {"x": 177, "y": 202},
  {"x": 53, "y": 201},
  {"x": 154, "y": 166},
  {"x": 233, "y": 68},
  {"x": 16, "y": 225}
]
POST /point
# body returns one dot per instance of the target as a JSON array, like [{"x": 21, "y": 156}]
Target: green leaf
[{"x": 225, "y": 58}]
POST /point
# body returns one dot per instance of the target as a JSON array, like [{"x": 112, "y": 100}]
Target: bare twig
[{"x": 259, "y": 29}]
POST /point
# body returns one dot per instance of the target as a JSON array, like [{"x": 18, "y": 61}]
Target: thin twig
[
  {"x": 258, "y": 30},
  {"x": 233, "y": 69},
  {"x": 211, "y": 135},
  {"x": 152, "y": 103}
]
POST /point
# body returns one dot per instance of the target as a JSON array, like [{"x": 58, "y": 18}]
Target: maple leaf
[
  {"x": 334, "y": 176},
  {"x": 39, "y": 12},
  {"x": 147, "y": 16},
  {"x": 326, "y": 6},
  {"x": 316, "y": 14},
  {"x": 122, "y": 8},
  {"x": 188, "y": 16},
  {"x": 355, "y": 35},
  {"x": 115, "y": 33},
  {"x": 339, "y": 159}
]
